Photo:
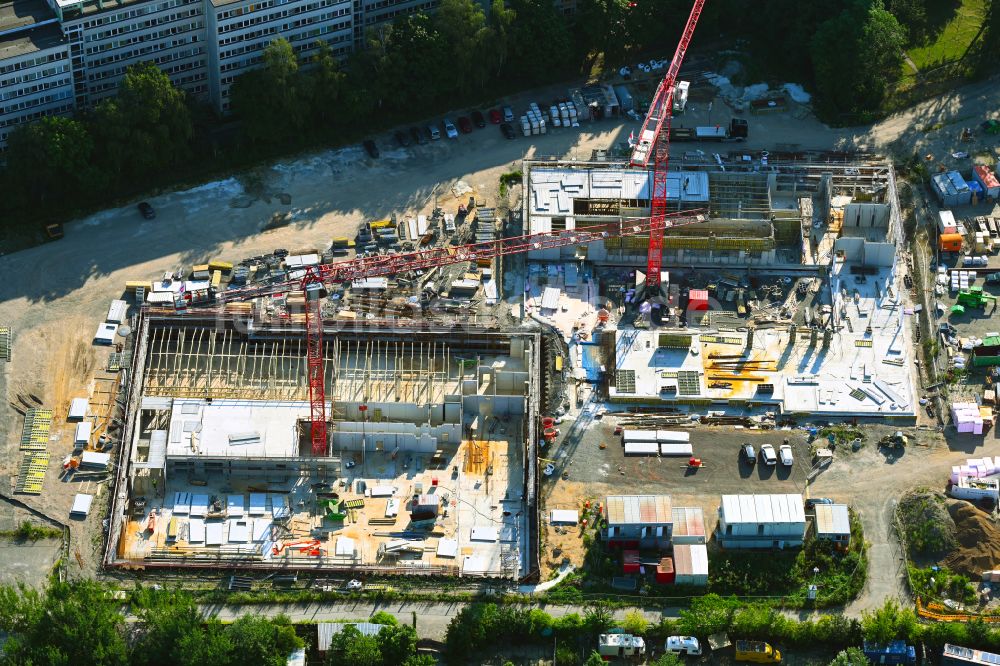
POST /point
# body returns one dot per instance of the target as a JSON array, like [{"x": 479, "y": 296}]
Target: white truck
[{"x": 620, "y": 645}]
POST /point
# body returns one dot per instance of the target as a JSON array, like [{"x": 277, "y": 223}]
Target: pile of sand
[{"x": 978, "y": 540}]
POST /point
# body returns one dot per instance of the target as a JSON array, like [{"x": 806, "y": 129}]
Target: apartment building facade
[
  {"x": 240, "y": 30},
  {"x": 57, "y": 56},
  {"x": 35, "y": 72}
]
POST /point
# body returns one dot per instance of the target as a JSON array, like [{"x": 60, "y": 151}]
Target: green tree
[
  {"x": 501, "y": 20},
  {"x": 420, "y": 660},
  {"x": 157, "y": 117},
  {"x": 259, "y": 640},
  {"x": 74, "y": 623},
  {"x": 397, "y": 644},
  {"x": 887, "y": 623},
  {"x": 270, "y": 100},
  {"x": 667, "y": 660},
  {"x": 462, "y": 26},
  {"x": 850, "y": 657},
  {"x": 635, "y": 623},
  {"x": 856, "y": 57},
  {"x": 49, "y": 162},
  {"x": 350, "y": 647},
  {"x": 594, "y": 659},
  {"x": 169, "y": 619},
  {"x": 541, "y": 47},
  {"x": 211, "y": 644}
]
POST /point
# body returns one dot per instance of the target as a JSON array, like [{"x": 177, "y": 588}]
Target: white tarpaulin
[{"x": 564, "y": 516}]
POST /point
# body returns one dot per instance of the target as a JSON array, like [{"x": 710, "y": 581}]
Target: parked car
[
  {"x": 417, "y": 136},
  {"x": 464, "y": 124},
  {"x": 54, "y": 231},
  {"x": 449, "y": 129},
  {"x": 433, "y": 133},
  {"x": 508, "y": 114},
  {"x": 371, "y": 148},
  {"x": 812, "y": 502},
  {"x": 507, "y": 131},
  {"x": 768, "y": 456},
  {"x": 549, "y": 470},
  {"x": 478, "y": 119},
  {"x": 495, "y": 117},
  {"x": 682, "y": 645},
  {"x": 402, "y": 139},
  {"x": 146, "y": 210},
  {"x": 785, "y": 452},
  {"x": 748, "y": 454}
]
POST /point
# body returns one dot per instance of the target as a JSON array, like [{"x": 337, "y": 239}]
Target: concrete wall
[
  {"x": 405, "y": 412},
  {"x": 860, "y": 251},
  {"x": 494, "y": 405},
  {"x": 866, "y": 215},
  {"x": 391, "y": 436}
]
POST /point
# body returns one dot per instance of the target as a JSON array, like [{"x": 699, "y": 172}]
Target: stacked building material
[{"x": 967, "y": 418}]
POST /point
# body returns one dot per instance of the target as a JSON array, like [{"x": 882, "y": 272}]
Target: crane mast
[{"x": 654, "y": 139}]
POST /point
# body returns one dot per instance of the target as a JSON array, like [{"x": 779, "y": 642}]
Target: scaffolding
[{"x": 739, "y": 195}]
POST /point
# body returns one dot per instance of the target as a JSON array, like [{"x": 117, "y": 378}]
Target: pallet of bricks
[
  {"x": 5, "y": 343},
  {"x": 35, "y": 457}
]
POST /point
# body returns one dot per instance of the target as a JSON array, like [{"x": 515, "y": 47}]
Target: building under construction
[
  {"x": 429, "y": 467},
  {"x": 788, "y": 296}
]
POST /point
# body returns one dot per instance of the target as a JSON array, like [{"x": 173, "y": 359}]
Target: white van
[{"x": 434, "y": 132}]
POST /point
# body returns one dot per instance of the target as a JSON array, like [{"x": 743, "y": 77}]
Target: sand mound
[{"x": 978, "y": 540}]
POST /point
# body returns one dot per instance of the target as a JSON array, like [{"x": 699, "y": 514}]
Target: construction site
[
  {"x": 424, "y": 467},
  {"x": 387, "y": 395},
  {"x": 785, "y": 294}
]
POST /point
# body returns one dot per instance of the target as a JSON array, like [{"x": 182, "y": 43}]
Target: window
[{"x": 760, "y": 530}]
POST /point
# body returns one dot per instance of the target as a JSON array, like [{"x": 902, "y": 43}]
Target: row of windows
[
  {"x": 284, "y": 28},
  {"x": 135, "y": 13},
  {"x": 31, "y": 90},
  {"x": 27, "y": 118},
  {"x": 301, "y": 9},
  {"x": 32, "y": 76},
  {"x": 124, "y": 56},
  {"x": 387, "y": 16},
  {"x": 306, "y": 43},
  {"x": 138, "y": 39},
  {"x": 176, "y": 69},
  {"x": 32, "y": 62},
  {"x": 131, "y": 27},
  {"x": 158, "y": 60},
  {"x": 54, "y": 97}
]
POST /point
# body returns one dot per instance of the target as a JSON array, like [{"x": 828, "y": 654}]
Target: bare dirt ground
[{"x": 55, "y": 295}]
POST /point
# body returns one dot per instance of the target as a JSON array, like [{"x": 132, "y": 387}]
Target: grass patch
[
  {"x": 509, "y": 179},
  {"x": 788, "y": 574},
  {"x": 28, "y": 531},
  {"x": 938, "y": 583},
  {"x": 952, "y": 41},
  {"x": 929, "y": 529},
  {"x": 842, "y": 433}
]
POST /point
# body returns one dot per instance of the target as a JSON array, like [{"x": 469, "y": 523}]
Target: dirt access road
[{"x": 55, "y": 295}]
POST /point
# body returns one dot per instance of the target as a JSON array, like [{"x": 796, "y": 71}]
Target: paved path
[{"x": 432, "y": 618}]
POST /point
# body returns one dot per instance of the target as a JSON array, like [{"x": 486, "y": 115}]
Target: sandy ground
[{"x": 55, "y": 295}]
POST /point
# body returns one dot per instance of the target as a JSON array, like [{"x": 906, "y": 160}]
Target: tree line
[
  {"x": 479, "y": 630},
  {"x": 83, "y": 623},
  {"x": 151, "y": 135}
]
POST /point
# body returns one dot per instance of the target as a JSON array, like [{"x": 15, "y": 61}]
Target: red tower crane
[
  {"x": 655, "y": 139},
  {"x": 316, "y": 278}
]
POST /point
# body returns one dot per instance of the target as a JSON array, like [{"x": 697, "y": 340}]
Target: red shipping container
[
  {"x": 665, "y": 571},
  {"x": 631, "y": 561},
  {"x": 698, "y": 299}
]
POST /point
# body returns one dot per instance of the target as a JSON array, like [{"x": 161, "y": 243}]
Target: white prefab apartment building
[
  {"x": 35, "y": 76},
  {"x": 58, "y": 56},
  {"x": 761, "y": 521}
]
